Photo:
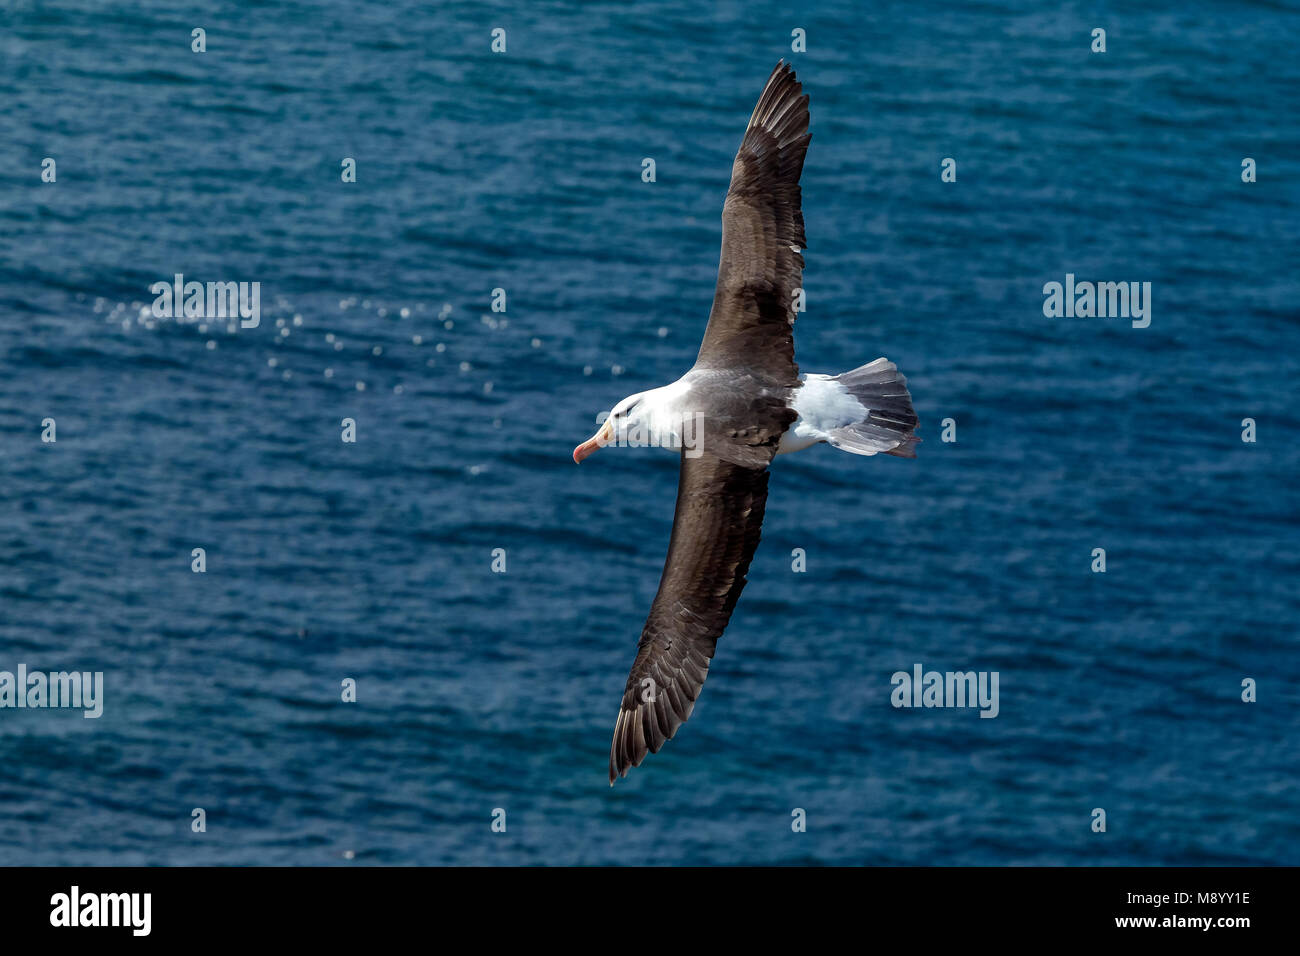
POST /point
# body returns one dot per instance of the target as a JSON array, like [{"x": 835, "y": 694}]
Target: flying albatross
[{"x": 740, "y": 405}]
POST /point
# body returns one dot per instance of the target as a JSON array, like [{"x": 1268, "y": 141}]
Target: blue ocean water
[{"x": 522, "y": 171}]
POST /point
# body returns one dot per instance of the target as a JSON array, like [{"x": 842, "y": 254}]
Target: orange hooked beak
[{"x": 598, "y": 440}]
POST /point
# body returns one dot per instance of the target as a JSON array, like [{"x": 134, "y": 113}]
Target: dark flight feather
[
  {"x": 716, "y": 529},
  {"x": 761, "y": 265}
]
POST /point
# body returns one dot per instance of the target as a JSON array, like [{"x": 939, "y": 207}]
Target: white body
[
  {"x": 663, "y": 414},
  {"x": 822, "y": 404}
]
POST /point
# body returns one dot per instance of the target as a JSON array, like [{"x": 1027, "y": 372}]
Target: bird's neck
[{"x": 660, "y": 415}]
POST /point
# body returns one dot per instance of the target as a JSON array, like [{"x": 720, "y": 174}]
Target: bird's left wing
[{"x": 715, "y": 531}]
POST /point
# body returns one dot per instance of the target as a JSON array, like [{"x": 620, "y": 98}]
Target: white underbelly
[{"x": 823, "y": 404}]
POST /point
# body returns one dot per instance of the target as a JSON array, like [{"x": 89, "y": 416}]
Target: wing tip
[
  {"x": 620, "y": 757},
  {"x": 632, "y": 743},
  {"x": 782, "y": 109},
  {"x": 781, "y": 91}
]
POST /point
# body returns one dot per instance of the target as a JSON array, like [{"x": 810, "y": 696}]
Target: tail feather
[{"x": 891, "y": 423}]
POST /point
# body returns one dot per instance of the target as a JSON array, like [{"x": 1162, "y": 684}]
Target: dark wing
[
  {"x": 715, "y": 531},
  {"x": 762, "y": 236}
]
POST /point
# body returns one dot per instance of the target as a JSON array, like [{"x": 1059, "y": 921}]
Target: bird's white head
[
  {"x": 659, "y": 417},
  {"x": 629, "y": 414}
]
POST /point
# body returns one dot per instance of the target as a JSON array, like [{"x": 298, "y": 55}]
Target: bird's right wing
[
  {"x": 715, "y": 531},
  {"x": 761, "y": 268}
]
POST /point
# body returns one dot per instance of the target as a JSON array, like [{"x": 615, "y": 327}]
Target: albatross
[{"x": 741, "y": 404}]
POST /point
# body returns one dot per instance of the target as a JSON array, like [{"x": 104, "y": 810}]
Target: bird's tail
[{"x": 890, "y": 424}]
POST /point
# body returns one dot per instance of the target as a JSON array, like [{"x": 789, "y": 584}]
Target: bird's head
[{"x": 626, "y": 415}]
